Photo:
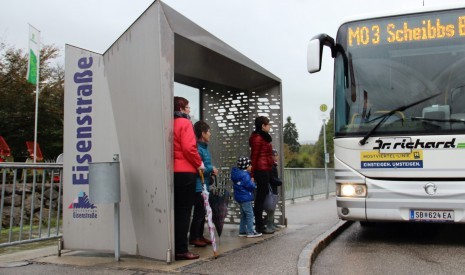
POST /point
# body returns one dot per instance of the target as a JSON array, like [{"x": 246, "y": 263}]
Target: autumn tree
[{"x": 17, "y": 102}]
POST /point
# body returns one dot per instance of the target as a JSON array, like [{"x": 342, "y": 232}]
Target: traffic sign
[{"x": 323, "y": 107}]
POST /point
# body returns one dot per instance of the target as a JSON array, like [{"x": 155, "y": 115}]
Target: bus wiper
[{"x": 384, "y": 117}]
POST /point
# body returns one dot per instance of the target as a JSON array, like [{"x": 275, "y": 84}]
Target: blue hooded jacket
[
  {"x": 202, "y": 147},
  {"x": 243, "y": 185}
]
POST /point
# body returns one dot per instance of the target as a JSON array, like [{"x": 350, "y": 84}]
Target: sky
[{"x": 272, "y": 33}]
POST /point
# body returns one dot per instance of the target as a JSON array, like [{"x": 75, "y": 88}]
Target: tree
[
  {"x": 17, "y": 102},
  {"x": 291, "y": 135}
]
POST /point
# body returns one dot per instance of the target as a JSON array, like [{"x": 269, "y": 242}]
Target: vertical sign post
[{"x": 323, "y": 109}]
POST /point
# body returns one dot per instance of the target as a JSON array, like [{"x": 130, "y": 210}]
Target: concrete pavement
[{"x": 291, "y": 250}]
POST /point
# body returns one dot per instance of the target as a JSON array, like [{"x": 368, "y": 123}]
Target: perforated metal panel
[{"x": 231, "y": 113}]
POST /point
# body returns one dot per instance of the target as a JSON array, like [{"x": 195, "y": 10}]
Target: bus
[{"x": 399, "y": 115}]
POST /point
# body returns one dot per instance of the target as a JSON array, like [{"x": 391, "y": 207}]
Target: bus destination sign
[{"x": 410, "y": 29}]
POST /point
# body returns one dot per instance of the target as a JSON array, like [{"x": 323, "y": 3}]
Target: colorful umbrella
[{"x": 209, "y": 214}]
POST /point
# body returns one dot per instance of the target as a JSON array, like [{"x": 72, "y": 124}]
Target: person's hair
[
  {"x": 259, "y": 121},
  {"x": 275, "y": 152},
  {"x": 180, "y": 103},
  {"x": 200, "y": 127}
]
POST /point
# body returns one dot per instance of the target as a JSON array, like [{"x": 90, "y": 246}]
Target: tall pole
[
  {"x": 34, "y": 66},
  {"x": 326, "y": 159},
  {"x": 36, "y": 115}
]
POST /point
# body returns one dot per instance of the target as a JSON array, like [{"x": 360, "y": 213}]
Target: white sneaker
[
  {"x": 242, "y": 234},
  {"x": 254, "y": 235}
]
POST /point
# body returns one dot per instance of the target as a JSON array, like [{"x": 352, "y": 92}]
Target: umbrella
[
  {"x": 219, "y": 200},
  {"x": 209, "y": 214}
]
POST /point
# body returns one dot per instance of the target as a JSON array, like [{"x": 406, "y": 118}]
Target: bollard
[{"x": 60, "y": 246}]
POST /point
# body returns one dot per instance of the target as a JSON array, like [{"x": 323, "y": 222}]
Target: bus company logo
[
  {"x": 418, "y": 144},
  {"x": 82, "y": 208}
]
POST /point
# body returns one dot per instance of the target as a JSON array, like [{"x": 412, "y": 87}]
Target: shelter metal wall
[{"x": 231, "y": 113}]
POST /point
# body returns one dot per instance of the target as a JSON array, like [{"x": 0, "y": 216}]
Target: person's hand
[
  {"x": 253, "y": 180},
  {"x": 202, "y": 167},
  {"x": 215, "y": 171}
]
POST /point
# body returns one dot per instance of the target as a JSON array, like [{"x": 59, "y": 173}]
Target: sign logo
[
  {"x": 375, "y": 159},
  {"x": 84, "y": 81},
  {"x": 82, "y": 208}
]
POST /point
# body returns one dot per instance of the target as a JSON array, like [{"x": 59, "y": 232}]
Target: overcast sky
[{"x": 273, "y": 33}]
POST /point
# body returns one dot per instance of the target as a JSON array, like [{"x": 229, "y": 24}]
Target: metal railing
[
  {"x": 30, "y": 202},
  {"x": 307, "y": 182},
  {"x": 31, "y": 198}
]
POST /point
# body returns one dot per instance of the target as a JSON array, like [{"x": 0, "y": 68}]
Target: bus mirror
[
  {"x": 315, "y": 50},
  {"x": 314, "y": 56}
]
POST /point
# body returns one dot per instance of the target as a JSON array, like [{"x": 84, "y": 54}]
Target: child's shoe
[
  {"x": 254, "y": 235},
  {"x": 242, "y": 234}
]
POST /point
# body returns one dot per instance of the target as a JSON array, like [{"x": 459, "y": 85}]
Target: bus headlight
[{"x": 351, "y": 190}]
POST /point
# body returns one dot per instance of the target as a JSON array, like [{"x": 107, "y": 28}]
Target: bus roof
[{"x": 401, "y": 12}]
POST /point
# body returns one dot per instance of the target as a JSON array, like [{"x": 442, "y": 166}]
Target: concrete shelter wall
[
  {"x": 139, "y": 68},
  {"x": 230, "y": 113},
  {"x": 89, "y": 136}
]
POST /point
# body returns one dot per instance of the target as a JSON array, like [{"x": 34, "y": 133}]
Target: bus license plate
[{"x": 432, "y": 215}]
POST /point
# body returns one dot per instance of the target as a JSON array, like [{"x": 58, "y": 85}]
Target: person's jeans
[{"x": 246, "y": 225}]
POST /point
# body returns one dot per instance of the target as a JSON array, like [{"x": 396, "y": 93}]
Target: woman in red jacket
[
  {"x": 262, "y": 165},
  {"x": 186, "y": 164}
]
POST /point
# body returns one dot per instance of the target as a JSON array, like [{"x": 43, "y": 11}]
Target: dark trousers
[
  {"x": 262, "y": 178},
  {"x": 198, "y": 218},
  {"x": 184, "y": 192}
]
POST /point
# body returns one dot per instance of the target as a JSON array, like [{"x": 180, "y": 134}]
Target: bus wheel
[{"x": 367, "y": 224}]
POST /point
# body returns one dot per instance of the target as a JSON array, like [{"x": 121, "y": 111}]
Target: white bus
[{"x": 399, "y": 115}]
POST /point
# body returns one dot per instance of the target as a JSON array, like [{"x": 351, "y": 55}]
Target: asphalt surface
[{"x": 291, "y": 250}]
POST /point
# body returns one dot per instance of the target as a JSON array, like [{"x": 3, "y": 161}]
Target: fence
[
  {"x": 31, "y": 198},
  {"x": 307, "y": 182},
  {"x": 30, "y": 202}
]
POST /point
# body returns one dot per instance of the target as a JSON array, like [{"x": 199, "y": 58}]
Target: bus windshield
[{"x": 396, "y": 62}]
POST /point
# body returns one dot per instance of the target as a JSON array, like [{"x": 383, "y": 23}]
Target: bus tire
[{"x": 367, "y": 224}]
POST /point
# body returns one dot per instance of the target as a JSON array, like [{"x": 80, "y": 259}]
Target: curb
[{"x": 311, "y": 251}]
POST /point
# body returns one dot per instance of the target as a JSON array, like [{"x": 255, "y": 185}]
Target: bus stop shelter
[{"x": 121, "y": 103}]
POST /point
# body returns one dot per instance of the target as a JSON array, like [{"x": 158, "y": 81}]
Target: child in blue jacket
[{"x": 244, "y": 188}]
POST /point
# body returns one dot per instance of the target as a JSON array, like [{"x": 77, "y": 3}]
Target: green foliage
[
  {"x": 319, "y": 152},
  {"x": 291, "y": 136},
  {"x": 303, "y": 159},
  {"x": 17, "y": 105},
  {"x": 312, "y": 156}
]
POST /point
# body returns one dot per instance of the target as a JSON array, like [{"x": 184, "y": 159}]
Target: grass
[{"x": 16, "y": 230}]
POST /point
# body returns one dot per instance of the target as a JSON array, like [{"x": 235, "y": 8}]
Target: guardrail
[
  {"x": 30, "y": 202},
  {"x": 307, "y": 182}
]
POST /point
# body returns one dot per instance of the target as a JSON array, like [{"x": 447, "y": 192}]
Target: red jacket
[
  {"x": 262, "y": 153},
  {"x": 186, "y": 156}
]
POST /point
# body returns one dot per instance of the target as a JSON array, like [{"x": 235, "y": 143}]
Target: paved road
[
  {"x": 279, "y": 254},
  {"x": 395, "y": 248}
]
